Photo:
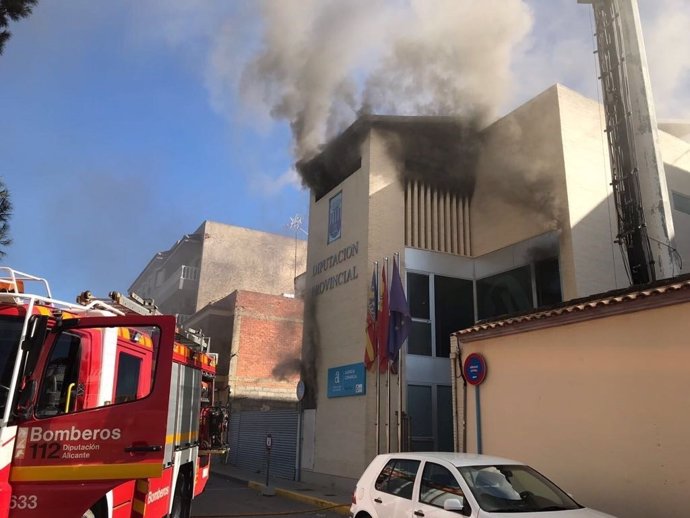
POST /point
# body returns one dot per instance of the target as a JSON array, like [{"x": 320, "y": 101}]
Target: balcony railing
[{"x": 185, "y": 277}]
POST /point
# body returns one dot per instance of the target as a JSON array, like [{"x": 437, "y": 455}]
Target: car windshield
[
  {"x": 514, "y": 489},
  {"x": 10, "y": 331}
]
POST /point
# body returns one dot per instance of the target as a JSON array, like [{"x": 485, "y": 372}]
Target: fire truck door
[{"x": 68, "y": 456}]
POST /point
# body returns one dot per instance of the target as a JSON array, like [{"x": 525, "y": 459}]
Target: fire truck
[{"x": 106, "y": 406}]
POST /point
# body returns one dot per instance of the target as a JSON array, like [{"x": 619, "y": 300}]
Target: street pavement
[{"x": 234, "y": 492}]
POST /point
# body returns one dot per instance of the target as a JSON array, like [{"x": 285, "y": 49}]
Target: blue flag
[{"x": 400, "y": 321}]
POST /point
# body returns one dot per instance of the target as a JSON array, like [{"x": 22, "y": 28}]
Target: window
[
  {"x": 438, "y": 485},
  {"x": 419, "y": 341},
  {"x": 10, "y": 331},
  {"x": 547, "y": 277},
  {"x": 420, "y": 410},
  {"x": 89, "y": 368},
  {"x": 418, "y": 294},
  {"x": 681, "y": 202},
  {"x": 397, "y": 477},
  {"x": 59, "y": 388},
  {"x": 128, "y": 370},
  {"x": 514, "y": 489},
  {"x": 453, "y": 309},
  {"x": 444, "y": 417},
  {"x": 505, "y": 293}
]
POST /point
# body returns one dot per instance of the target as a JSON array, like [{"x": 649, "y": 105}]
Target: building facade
[
  {"x": 215, "y": 260},
  {"x": 486, "y": 222}
]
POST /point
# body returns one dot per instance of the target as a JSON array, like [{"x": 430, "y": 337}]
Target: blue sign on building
[
  {"x": 348, "y": 380},
  {"x": 335, "y": 217}
]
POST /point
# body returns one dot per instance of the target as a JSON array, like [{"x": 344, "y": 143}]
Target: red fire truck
[{"x": 106, "y": 407}]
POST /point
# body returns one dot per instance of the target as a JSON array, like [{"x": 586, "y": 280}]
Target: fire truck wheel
[
  {"x": 182, "y": 500},
  {"x": 99, "y": 510}
]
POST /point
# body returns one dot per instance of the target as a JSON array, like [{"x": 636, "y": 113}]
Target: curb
[
  {"x": 343, "y": 509},
  {"x": 233, "y": 478}
]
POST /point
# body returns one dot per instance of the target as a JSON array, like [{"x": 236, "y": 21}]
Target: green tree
[
  {"x": 5, "y": 213},
  {"x": 13, "y": 10}
]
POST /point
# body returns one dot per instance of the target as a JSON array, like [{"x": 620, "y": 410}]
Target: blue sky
[{"x": 123, "y": 127}]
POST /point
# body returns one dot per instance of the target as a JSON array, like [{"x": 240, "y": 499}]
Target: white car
[{"x": 444, "y": 485}]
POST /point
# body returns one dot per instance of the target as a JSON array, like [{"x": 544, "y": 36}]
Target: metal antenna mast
[{"x": 645, "y": 225}]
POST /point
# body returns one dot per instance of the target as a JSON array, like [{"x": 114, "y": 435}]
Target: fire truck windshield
[{"x": 10, "y": 332}]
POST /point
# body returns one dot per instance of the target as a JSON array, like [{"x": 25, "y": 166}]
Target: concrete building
[
  {"x": 486, "y": 221},
  {"x": 215, "y": 260},
  {"x": 592, "y": 392}
]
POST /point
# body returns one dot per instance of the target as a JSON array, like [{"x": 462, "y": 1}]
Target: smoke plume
[{"x": 321, "y": 63}]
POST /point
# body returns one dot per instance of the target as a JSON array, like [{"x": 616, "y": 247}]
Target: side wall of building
[
  {"x": 599, "y": 406},
  {"x": 236, "y": 258},
  {"x": 266, "y": 345},
  {"x": 597, "y": 260},
  {"x": 519, "y": 190}
]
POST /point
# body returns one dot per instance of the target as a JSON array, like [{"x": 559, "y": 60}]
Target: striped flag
[{"x": 371, "y": 349}]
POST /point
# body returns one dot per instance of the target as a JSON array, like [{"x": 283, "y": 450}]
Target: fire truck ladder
[{"x": 136, "y": 305}]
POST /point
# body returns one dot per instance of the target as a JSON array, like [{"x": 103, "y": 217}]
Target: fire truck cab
[{"x": 106, "y": 408}]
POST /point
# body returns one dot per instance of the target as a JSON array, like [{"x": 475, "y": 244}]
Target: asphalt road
[{"x": 225, "y": 498}]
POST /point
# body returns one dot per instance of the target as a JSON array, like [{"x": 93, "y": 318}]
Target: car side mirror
[{"x": 454, "y": 504}]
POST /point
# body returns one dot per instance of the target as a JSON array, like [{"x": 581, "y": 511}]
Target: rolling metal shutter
[{"x": 248, "y": 432}]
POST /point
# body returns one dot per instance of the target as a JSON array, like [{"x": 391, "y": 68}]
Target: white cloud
[{"x": 268, "y": 186}]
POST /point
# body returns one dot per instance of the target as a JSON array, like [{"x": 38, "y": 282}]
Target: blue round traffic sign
[{"x": 474, "y": 369}]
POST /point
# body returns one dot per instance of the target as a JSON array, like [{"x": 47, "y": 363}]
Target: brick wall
[{"x": 267, "y": 341}]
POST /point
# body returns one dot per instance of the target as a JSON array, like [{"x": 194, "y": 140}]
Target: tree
[
  {"x": 13, "y": 10},
  {"x": 5, "y": 213}
]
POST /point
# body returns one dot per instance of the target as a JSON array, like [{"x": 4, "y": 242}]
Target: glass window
[
  {"x": 397, "y": 477},
  {"x": 128, "y": 372},
  {"x": 58, "y": 391},
  {"x": 419, "y": 341},
  {"x": 444, "y": 417},
  {"x": 515, "y": 488},
  {"x": 681, "y": 202},
  {"x": 76, "y": 378},
  {"x": 453, "y": 309},
  {"x": 438, "y": 484},
  {"x": 418, "y": 295},
  {"x": 419, "y": 406},
  {"x": 547, "y": 277},
  {"x": 10, "y": 331},
  {"x": 504, "y": 294}
]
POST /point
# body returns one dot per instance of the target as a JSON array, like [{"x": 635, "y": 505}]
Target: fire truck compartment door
[{"x": 120, "y": 437}]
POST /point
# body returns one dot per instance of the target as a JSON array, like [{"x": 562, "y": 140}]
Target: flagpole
[
  {"x": 388, "y": 389},
  {"x": 378, "y": 373},
  {"x": 401, "y": 369}
]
